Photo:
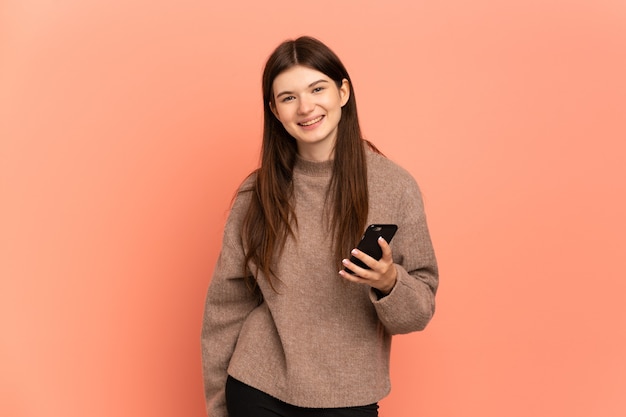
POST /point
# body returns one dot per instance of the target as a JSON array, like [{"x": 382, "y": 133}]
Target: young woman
[{"x": 286, "y": 331}]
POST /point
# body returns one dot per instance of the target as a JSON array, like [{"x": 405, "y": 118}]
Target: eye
[
  {"x": 318, "y": 89},
  {"x": 288, "y": 98}
]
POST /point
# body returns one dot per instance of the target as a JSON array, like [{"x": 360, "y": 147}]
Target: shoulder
[
  {"x": 237, "y": 212},
  {"x": 243, "y": 195},
  {"x": 382, "y": 170},
  {"x": 248, "y": 184}
]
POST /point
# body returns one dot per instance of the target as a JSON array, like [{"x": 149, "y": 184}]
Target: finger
[
  {"x": 348, "y": 276},
  {"x": 364, "y": 257},
  {"x": 354, "y": 277},
  {"x": 387, "y": 255},
  {"x": 356, "y": 270}
]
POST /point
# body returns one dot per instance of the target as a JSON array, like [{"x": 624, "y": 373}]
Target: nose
[{"x": 305, "y": 105}]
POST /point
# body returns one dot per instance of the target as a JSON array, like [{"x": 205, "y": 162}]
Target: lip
[{"x": 311, "y": 122}]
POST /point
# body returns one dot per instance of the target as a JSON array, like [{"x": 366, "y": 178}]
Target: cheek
[
  {"x": 337, "y": 107},
  {"x": 339, "y": 102},
  {"x": 284, "y": 118},
  {"x": 283, "y": 113}
]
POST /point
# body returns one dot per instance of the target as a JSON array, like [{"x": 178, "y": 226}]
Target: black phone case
[{"x": 369, "y": 242}]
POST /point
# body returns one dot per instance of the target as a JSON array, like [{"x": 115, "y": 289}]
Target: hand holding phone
[{"x": 369, "y": 243}]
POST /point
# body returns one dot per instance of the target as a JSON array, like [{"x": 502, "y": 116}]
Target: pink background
[{"x": 126, "y": 126}]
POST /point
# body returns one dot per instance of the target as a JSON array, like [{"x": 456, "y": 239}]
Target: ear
[
  {"x": 344, "y": 91},
  {"x": 273, "y": 109}
]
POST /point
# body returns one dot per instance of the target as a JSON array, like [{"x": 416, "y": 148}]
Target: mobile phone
[{"x": 369, "y": 242}]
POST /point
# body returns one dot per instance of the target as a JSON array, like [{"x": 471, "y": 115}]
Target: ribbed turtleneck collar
[{"x": 313, "y": 168}]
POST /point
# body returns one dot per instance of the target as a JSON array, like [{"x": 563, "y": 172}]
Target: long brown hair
[{"x": 270, "y": 216}]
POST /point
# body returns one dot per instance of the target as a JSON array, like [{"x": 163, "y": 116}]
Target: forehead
[{"x": 297, "y": 78}]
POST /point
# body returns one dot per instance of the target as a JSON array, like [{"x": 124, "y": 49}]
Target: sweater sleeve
[
  {"x": 228, "y": 303},
  {"x": 411, "y": 303}
]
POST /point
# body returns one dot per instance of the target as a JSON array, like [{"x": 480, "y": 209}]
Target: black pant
[{"x": 245, "y": 401}]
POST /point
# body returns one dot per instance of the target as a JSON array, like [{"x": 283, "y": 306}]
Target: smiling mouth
[{"x": 311, "y": 122}]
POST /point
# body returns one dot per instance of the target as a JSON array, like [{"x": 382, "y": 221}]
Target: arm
[
  {"x": 228, "y": 303},
  {"x": 403, "y": 284},
  {"x": 411, "y": 303}
]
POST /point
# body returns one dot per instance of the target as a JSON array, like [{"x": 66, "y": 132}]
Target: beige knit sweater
[{"x": 321, "y": 341}]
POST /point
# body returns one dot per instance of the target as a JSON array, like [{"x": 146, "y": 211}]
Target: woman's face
[{"x": 308, "y": 104}]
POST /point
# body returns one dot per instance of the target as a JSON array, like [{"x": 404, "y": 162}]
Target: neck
[{"x": 316, "y": 153}]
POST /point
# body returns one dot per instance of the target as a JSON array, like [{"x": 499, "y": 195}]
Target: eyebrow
[{"x": 313, "y": 84}]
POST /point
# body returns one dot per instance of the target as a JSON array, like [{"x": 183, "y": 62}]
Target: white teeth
[{"x": 310, "y": 122}]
